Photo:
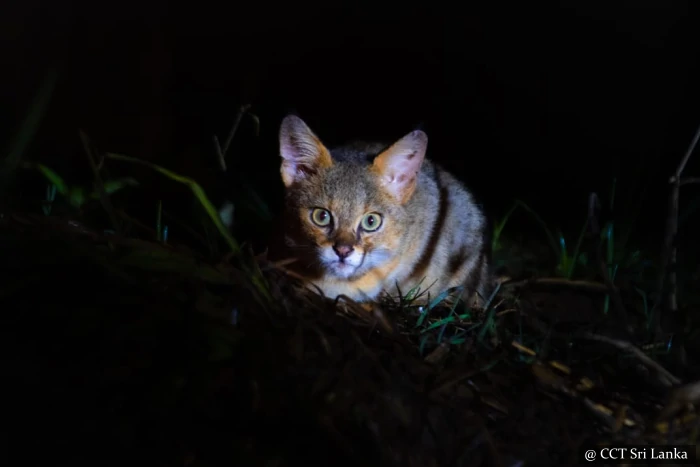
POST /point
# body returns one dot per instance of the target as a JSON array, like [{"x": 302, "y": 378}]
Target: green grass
[
  {"x": 622, "y": 263},
  {"x": 224, "y": 346}
]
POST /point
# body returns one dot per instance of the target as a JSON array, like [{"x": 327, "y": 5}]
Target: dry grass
[
  {"x": 122, "y": 350},
  {"x": 126, "y": 351}
]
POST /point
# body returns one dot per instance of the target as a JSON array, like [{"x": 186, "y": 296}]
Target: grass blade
[
  {"x": 29, "y": 126},
  {"x": 198, "y": 191}
]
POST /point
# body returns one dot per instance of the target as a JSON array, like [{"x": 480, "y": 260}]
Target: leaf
[
  {"x": 51, "y": 176},
  {"x": 76, "y": 196},
  {"x": 32, "y": 121},
  {"x": 196, "y": 189},
  {"x": 252, "y": 267},
  {"x": 439, "y": 299},
  {"x": 112, "y": 186}
]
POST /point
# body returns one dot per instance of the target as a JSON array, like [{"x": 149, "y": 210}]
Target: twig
[
  {"x": 686, "y": 157},
  {"x": 623, "y": 345},
  {"x": 221, "y": 152},
  {"x": 690, "y": 180},
  {"x": 669, "y": 252},
  {"x": 239, "y": 116},
  {"x": 593, "y": 211}
]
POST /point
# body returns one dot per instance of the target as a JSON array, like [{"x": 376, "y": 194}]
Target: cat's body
[{"x": 364, "y": 218}]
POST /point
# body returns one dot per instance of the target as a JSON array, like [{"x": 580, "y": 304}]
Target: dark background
[
  {"x": 542, "y": 101},
  {"x": 536, "y": 100}
]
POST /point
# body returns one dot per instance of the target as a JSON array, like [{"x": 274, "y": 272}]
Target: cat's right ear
[{"x": 302, "y": 151}]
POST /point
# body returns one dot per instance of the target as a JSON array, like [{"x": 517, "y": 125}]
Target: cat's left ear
[{"x": 398, "y": 166}]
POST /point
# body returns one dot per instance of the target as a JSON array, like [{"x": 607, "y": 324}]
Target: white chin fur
[{"x": 333, "y": 265}]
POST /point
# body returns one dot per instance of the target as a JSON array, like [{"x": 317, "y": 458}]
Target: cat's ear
[
  {"x": 302, "y": 151},
  {"x": 398, "y": 165}
]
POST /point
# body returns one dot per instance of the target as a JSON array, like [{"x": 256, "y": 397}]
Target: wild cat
[{"x": 363, "y": 218}]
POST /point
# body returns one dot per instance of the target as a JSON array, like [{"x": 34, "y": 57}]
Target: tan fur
[{"x": 431, "y": 230}]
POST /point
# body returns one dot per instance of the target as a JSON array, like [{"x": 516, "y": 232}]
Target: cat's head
[{"x": 346, "y": 216}]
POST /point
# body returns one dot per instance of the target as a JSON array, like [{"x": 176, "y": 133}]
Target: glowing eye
[
  {"x": 371, "y": 222},
  {"x": 321, "y": 217}
]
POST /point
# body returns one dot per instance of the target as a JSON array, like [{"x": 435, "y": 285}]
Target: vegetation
[{"x": 204, "y": 353}]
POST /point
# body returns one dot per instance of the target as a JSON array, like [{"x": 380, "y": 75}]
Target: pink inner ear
[
  {"x": 301, "y": 151},
  {"x": 399, "y": 165},
  {"x": 402, "y": 167},
  {"x": 294, "y": 169},
  {"x": 288, "y": 152}
]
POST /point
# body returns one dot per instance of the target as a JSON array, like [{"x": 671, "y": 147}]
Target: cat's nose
[{"x": 343, "y": 251}]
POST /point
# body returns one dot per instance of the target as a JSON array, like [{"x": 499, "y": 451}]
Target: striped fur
[{"x": 431, "y": 231}]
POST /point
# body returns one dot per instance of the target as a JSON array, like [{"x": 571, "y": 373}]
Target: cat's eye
[
  {"x": 371, "y": 222},
  {"x": 321, "y": 217}
]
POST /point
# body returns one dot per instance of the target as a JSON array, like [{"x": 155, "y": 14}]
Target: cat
[{"x": 365, "y": 217}]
